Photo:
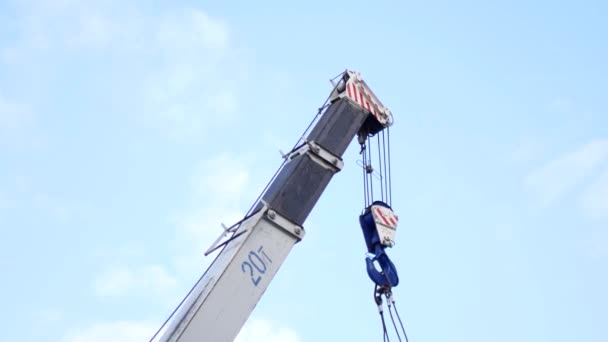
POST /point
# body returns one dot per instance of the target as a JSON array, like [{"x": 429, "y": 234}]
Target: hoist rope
[
  {"x": 388, "y": 137},
  {"x": 390, "y": 311},
  {"x": 385, "y": 332},
  {"x": 365, "y": 186},
  {"x": 384, "y": 168},
  {"x": 378, "y": 300},
  {"x": 400, "y": 323},
  {"x": 370, "y": 172},
  {"x": 385, "y": 175},
  {"x": 391, "y": 305},
  {"x": 380, "y": 169},
  {"x": 385, "y": 194}
]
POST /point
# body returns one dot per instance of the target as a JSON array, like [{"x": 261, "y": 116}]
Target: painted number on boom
[{"x": 256, "y": 265}]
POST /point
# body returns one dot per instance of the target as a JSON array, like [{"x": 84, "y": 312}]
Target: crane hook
[{"x": 376, "y": 245}]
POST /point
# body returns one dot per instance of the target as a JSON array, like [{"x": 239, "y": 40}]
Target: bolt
[
  {"x": 316, "y": 149},
  {"x": 272, "y": 215},
  {"x": 298, "y": 231},
  {"x": 335, "y": 161}
]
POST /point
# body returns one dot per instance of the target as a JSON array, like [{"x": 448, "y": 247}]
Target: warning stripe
[
  {"x": 387, "y": 216},
  {"x": 359, "y": 94},
  {"x": 363, "y": 98},
  {"x": 363, "y": 93},
  {"x": 373, "y": 107},
  {"x": 384, "y": 219}
]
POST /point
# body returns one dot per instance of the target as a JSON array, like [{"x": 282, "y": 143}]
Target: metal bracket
[
  {"x": 285, "y": 224},
  {"x": 232, "y": 229},
  {"x": 320, "y": 155},
  {"x": 278, "y": 220}
]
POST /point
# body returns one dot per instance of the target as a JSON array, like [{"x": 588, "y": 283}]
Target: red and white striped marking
[
  {"x": 387, "y": 216},
  {"x": 358, "y": 94}
]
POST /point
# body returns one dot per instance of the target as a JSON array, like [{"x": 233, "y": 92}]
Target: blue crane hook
[{"x": 388, "y": 275}]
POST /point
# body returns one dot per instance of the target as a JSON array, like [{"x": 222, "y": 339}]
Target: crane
[{"x": 253, "y": 249}]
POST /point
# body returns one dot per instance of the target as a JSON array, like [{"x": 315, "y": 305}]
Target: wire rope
[{"x": 400, "y": 323}]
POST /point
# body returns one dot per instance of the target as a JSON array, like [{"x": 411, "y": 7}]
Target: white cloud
[
  {"x": 224, "y": 177},
  {"x": 60, "y": 209},
  {"x": 527, "y": 149},
  {"x": 192, "y": 30},
  {"x": 198, "y": 73},
  {"x": 183, "y": 72},
  {"x": 122, "y": 280},
  {"x": 43, "y": 323},
  {"x": 224, "y": 103},
  {"x": 202, "y": 225},
  {"x": 218, "y": 185},
  {"x": 181, "y": 68},
  {"x": 261, "y": 330},
  {"x": 119, "y": 331},
  {"x": 45, "y": 26},
  {"x": 563, "y": 175},
  {"x": 255, "y": 330},
  {"x": 595, "y": 198}
]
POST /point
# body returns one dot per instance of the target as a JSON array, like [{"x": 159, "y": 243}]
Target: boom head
[{"x": 352, "y": 87}]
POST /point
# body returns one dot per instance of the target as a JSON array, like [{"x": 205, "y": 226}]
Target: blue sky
[{"x": 130, "y": 131}]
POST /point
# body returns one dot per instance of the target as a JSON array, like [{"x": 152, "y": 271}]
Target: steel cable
[
  {"x": 365, "y": 180},
  {"x": 385, "y": 175},
  {"x": 378, "y": 299},
  {"x": 393, "y": 319},
  {"x": 385, "y": 332},
  {"x": 388, "y": 133},
  {"x": 382, "y": 187},
  {"x": 370, "y": 172},
  {"x": 399, "y": 318}
]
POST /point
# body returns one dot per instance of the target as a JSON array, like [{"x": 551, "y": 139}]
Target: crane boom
[{"x": 227, "y": 293}]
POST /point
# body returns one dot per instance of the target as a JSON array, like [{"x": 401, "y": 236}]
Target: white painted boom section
[{"x": 232, "y": 286}]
